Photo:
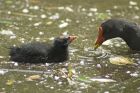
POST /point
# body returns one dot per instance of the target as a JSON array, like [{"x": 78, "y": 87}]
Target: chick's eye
[{"x": 66, "y": 39}]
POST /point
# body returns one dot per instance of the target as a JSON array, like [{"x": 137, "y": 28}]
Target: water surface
[{"x": 41, "y": 20}]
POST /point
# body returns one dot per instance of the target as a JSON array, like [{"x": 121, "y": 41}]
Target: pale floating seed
[
  {"x": 9, "y": 12},
  {"x": 25, "y": 10},
  {"x": 43, "y": 16},
  {"x": 63, "y": 25},
  {"x": 36, "y": 7},
  {"x": 82, "y": 62},
  {"x": 93, "y": 9},
  {"x": 132, "y": 3},
  {"x": 41, "y": 33},
  {"x": 69, "y": 9}
]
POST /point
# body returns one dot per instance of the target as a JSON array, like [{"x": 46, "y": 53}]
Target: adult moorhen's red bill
[
  {"x": 41, "y": 52},
  {"x": 128, "y": 31}
]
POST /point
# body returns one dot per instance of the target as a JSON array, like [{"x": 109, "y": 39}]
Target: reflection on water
[{"x": 87, "y": 71}]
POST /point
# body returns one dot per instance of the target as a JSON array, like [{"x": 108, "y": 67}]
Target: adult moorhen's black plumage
[
  {"x": 128, "y": 31},
  {"x": 41, "y": 52}
]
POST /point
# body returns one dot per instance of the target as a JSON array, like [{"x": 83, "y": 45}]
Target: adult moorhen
[
  {"x": 41, "y": 52},
  {"x": 128, "y": 31}
]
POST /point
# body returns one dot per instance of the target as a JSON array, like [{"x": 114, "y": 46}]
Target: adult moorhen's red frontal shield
[
  {"x": 38, "y": 52},
  {"x": 128, "y": 31}
]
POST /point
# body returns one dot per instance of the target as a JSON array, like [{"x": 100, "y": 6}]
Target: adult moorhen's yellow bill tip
[{"x": 96, "y": 46}]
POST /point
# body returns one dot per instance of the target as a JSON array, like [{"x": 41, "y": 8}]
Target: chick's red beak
[
  {"x": 100, "y": 38},
  {"x": 71, "y": 38}
]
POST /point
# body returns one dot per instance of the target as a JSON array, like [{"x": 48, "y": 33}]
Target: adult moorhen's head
[{"x": 110, "y": 29}]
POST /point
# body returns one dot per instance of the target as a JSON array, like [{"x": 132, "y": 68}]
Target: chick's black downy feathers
[{"x": 37, "y": 52}]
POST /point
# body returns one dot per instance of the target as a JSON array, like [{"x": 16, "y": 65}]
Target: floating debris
[
  {"x": 136, "y": 8},
  {"x": 128, "y": 72},
  {"x": 41, "y": 33},
  {"x": 7, "y": 32},
  {"x": 30, "y": 19},
  {"x": 25, "y": 10},
  {"x": 86, "y": 49},
  {"x": 82, "y": 62},
  {"x": 55, "y": 16},
  {"x": 68, "y": 20},
  {"x": 84, "y": 79},
  {"x": 10, "y": 82},
  {"x": 69, "y": 9},
  {"x": 43, "y": 16},
  {"x": 120, "y": 60},
  {"x": 22, "y": 40},
  {"x": 33, "y": 77},
  {"x": 51, "y": 87},
  {"x": 37, "y": 24},
  {"x": 135, "y": 74},
  {"x": 61, "y": 8},
  {"x": 93, "y": 9},
  {"x": 1, "y": 56},
  {"x": 83, "y": 57},
  {"x": 63, "y": 25},
  {"x": 115, "y": 7},
  {"x": 9, "y": 12},
  {"x": 99, "y": 66},
  {"x": 21, "y": 14},
  {"x": 72, "y": 50},
  {"x": 47, "y": 64},
  {"x": 136, "y": 17},
  {"x": 60, "y": 83},
  {"x": 106, "y": 92},
  {"x": 83, "y": 9},
  {"x": 132, "y": 3},
  {"x": 56, "y": 77},
  {"x": 102, "y": 80},
  {"x": 52, "y": 38},
  {"x": 89, "y": 14},
  {"x": 15, "y": 64},
  {"x": 49, "y": 23},
  {"x": 2, "y": 72},
  {"x": 37, "y": 39},
  {"x": 90, "y": 80},
  {"x": 109, "y": 11},
  {"x": 12, "y": 37},
  {"x": 36, "y": 7},
  {"x": 24, "y": 71}
]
